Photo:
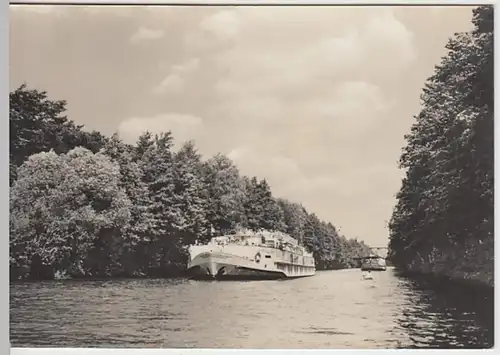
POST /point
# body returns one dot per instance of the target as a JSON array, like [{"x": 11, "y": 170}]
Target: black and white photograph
[{"x": 251, "y": 176}]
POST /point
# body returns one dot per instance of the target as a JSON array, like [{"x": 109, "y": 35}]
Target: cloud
[
  {"x": 224, "y": 25},
  {"x": 351, "y": 107},
  {"x": 189, "y": 66},
  {"x": 298, "y": 88},
  {"x": 315, "y": 99},
  {"x": 174, "y": 81},
  {"x": 145, "y": 34},
  {"x": 290, "y": 95},
  {"x": 262, "y": 62},
  {"x": 289, "y": 75},
  {"x": 282, "y": 173},
  {"x": 437, "y": 10},
  {"x": 387, "y": 39},
  {"x": 184, "y": 127},
  {"x": 320, "y": 193}
]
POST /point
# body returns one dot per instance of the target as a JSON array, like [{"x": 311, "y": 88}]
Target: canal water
[{"x": 334, "y": 309}]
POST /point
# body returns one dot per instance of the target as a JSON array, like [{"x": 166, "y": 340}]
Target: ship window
[{"x": 268, "y": 256}]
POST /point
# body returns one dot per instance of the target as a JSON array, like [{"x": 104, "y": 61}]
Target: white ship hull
[
  {"x": 247, "y": 262},
  {"x": 374, "y": 264}
]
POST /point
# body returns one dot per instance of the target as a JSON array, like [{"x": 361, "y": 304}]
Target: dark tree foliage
[
  {"x": 85, "y": 205},
  {"x": 261, "y": 208},
  {"x": 443, "y": 220},
  {"x": 38, "y": 124},
  {"x": 225, "y": 195}
]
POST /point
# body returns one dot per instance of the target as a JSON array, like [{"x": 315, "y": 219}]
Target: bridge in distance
[{"x": 380, "y": 251}]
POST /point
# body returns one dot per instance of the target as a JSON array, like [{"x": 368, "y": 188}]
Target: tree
[
  {"x": 157, "y": 165},
  {"x": 67, "y": 212},
  {"x": 136, "y": 235},
  {"x": 144, "y": 143},
  {"x": 37, "y": 124},
  {"x": 226, "y": 194},
  {"x": 311, "y": 234},
  {"x": 190, "y": 194},
  {"x": 445, "y": 204},
  {"x": 295, "y": 218},
  {"x": 261, "y": 209},
  {"x": 88, "y": 205}
]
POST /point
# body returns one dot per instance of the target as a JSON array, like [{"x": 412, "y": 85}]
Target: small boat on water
[
  {"x": 373, "y": 263},
  {"x": 367, "y": 275},
  {"x": 251, "y": 255}
]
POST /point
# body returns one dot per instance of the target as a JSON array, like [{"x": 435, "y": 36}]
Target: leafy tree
[
  {"x": 144, "y": 143},
  {"x": 312, "y": 238},
  {"x": 86, "y": 205},
  {"x": 261, "y": 209},
  {"x": 190, "y": 194},
  {"x": 67, "y": 213},
  {"x": 37, "y": 124},
  {"x": 136, "y": 235},
  {"x": 445, "y": 205},
  {"x": 295, "y": 217},
  {"x": 226, "y": 195},
  {"x": 157, "y": 165}
]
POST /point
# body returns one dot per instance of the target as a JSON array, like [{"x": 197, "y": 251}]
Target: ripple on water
[{"x": 334, "y": 309}]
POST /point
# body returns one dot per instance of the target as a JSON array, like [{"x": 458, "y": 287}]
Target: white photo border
[{"x": 4, "y": 91}]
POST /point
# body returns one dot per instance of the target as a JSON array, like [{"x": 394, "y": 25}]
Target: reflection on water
[
  {"x": 449, "y": 317},
  {"x": 334, "y": 309}
]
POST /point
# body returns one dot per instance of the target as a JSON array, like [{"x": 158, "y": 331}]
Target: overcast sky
[{"x": 314, "y": 99}]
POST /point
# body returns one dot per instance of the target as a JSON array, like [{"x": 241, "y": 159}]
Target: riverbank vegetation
[
  {"x": 86, "y": 205},
  {"x": 443, "y": 221}
]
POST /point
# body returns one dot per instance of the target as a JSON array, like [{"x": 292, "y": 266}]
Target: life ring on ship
[{"x": 257, "y": 257}]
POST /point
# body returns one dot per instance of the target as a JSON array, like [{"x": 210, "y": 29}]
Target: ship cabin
[{"x": 275, "y": 240}]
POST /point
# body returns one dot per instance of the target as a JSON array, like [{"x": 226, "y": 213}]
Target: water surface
[{"x": 334, "y": 309}]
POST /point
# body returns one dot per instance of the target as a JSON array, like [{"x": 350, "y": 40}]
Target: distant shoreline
[
  {"x": 437, "y": 279},
  {"x": 181, "y": 275}
]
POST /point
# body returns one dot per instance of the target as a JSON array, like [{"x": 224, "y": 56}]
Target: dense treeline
[
  {"x": 86, "y": 205},
  {"x": 443, "y": 221},
  {"x": 38, "y": 125}
]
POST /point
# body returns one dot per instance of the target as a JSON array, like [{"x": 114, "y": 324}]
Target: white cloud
[
  {"x": 437, "y": 10},
  {"x": 306, "y": 93},
  {"x": 255, "y": 109},
  {"x": 144, "y": 34},
  {"x": 281, "y": 172},
  {"x": 351, "y": 99},
  {"x": 262, "y": 61},
  {"x": 297, "y": 89},
  {"x": 224, "y": 25},
  {"x": 237, "y": 153},
  {"x": 350, "y": 107},
  {"x": 184, "y": 127},
  {"x": 174, "y": 82},
  {"x": 288, "y": 180},
  {"x": 312, "y": 70},
  {"x": 388, "y": 42},
  {"x": 189, "y": 66}
]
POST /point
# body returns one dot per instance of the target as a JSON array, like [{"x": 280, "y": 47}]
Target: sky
[{"x": 314, "y": 99}]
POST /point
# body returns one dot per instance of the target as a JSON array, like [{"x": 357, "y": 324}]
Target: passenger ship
[
  {"x": 251, "y": 255},
  {"x": 373, "y": 263}
]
